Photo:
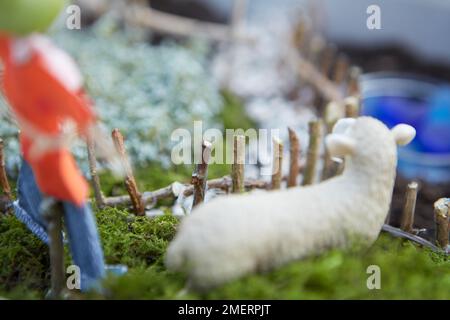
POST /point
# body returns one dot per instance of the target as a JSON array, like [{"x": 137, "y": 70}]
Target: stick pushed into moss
[
  {"x": 238, "y": 16},
  {"x": 130, "y": 182},
  {"x": 95, "y": 180},
  {"x": 340, "y": 69},
  {"x": 327, "y": 58},
  {"x": 353, "y": 88},
  {"x": 3, "y": 177},
  {"x": 277, "y": 164},
  {"x": 441, "y": 213},
  {"x": 315, "y": 138},
  {"x": 237, "y": 168},
  {"x": 200, "y": 175},
  {"x": 407, "y": 219},
  {"x": 333, "y": 112},
  {"x": 352, "y": 108},
  {"x": 294, "y": 159},
  {"x": 52, "y": 212}
]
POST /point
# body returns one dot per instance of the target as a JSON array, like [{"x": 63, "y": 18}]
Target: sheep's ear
[
  {"x": 403, "y": 134},
  {"x": 340, "y": 145},
  {"x": 343, "y": 124}
]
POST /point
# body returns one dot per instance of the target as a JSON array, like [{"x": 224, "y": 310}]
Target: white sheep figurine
[{"x": 234, "y": 235}]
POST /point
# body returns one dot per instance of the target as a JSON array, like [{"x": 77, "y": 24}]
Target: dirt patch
[{"x": 424, "y": 217}]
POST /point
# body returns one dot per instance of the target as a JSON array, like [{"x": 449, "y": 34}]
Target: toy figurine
[
  {"x": 44, "y": 89},
  {"x": 238, "y": 234}
]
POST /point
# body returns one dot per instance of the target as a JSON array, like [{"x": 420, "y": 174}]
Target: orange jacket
[{"x": 35, "y": 85}]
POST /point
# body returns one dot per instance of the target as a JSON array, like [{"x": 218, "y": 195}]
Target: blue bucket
[{"x": 422, "y": 103}]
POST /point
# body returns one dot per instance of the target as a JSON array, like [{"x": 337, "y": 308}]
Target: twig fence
[
  {"x": 318, "y": 64},
  {"x": 328, "y": 74}
]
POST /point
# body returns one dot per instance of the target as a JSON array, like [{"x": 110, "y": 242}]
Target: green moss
[
  {"x": 150, "y": 177},
  {"x": 407, "y": 272},
  {"x": 134, "y": 241},
  {"x": 24, "y": 261},
  {"x": 233, "y": 114}
]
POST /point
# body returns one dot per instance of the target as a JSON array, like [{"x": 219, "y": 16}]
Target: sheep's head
[{"x": 366, "y": 137}]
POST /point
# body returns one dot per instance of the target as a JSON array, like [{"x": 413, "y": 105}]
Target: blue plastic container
[{"x": 422, "y": 103}]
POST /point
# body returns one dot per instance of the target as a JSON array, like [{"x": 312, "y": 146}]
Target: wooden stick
[
  {"x": 130, "y": 182},
  {"x": 277, "y": 164},
  {"x": 52, "y": 212},
  {"x": 294, "y": 161},
  {"x": 352, "y": 107},
  {"x": 180, "y": 26},
  {"x": 333, "y": 112},
  {"x": 3, "y": 176},
  {"x": 340, "y": 69},
  {"x": 407, "y": 219},
  {"x": 316, "y": 46},
  {"x": 95, "y": 179},
  {"x": 200, "y": 175},
  {"x": 224, "y": 183},
  {"x": 353, "y": 88},
  {"x": 238, "y": 16},
  {"x": 441, "y": 213},
  {"x": 327, "y": 60},
  {"x": 299, "y": 35},
  {"x": 237, "y": 168},
  {"x": 313, "y": 152},
  {"x": 309, "y": 74}
]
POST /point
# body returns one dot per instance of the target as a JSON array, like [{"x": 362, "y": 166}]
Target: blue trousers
[{"x": 80, "y": 224}]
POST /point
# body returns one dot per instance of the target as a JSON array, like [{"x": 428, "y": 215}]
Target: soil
[
  {"x": 190, "y": 9},
  {"x": 427, "y": 195}
]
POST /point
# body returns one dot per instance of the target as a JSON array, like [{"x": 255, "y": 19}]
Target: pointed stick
[
  {"x": 237, "y": 168},
  {"x": 130, "y": 182},
  {"x": 277, "y": 164},
  {"x": 353, "y": 88},
  {"x": 352, "y": 107},
  {"x": 299, "y": 36},
  {"x": 3, "y": 176},
  {"x": 441, "y": 213},
  {"x": 238, "y": 16},
  {"x": 327, "y": 60},
  {"x": 200, "y": 175},
  {"x": 294, "y": 161},
  {"x": 309, "y": 74},
  {"x": 317, "y": 46},
  {"x": 313, "y": 152},
  {"x": 340, "y": 69},
  {"x": 95, "y": 179},
  {"x": 407, "y": 219},
  {"x": 52, "y": 212}
]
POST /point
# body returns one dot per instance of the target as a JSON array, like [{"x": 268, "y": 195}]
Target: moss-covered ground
[{"x": 407, "y": 271}]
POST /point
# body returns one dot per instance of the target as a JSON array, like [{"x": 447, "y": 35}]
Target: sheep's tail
[{"x": 175, "y": 257}]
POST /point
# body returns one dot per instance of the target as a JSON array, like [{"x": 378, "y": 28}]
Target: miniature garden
[{"x": 150, "y": 72}]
